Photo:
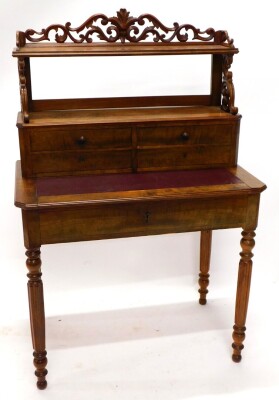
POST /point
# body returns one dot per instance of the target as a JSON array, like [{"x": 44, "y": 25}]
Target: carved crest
[{"x": 124, "y": 28}]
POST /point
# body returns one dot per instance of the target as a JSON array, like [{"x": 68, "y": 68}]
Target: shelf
[
  {"x": 120, "y": 49},
  {"x": 126, "y": 115}
]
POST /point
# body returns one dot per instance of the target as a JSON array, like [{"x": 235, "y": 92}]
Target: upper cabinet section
[
  {"x": 100, "y": 35},
  {"x": 124, "y": 35}
]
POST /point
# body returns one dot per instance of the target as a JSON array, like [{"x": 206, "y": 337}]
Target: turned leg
[
  {"x": 37, "y": 314},
  {"x": 242, "y": 294},
  {"x": 205, "y": 250}
]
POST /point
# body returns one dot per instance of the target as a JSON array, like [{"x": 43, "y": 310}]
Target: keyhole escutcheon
[{"x": 147, "y": 215}]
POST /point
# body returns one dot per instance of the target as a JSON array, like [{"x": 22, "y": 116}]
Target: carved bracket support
[
  {"x": 23, "y": 88},
  {"x": 228, "y": 86}
]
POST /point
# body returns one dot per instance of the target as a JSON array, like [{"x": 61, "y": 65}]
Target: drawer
[
  {"x": 65, "y": 138},
  {"x": 147, "y": 218},
  {"x": 75, "y": 161},
  {"x": 186, "y": 134},
  {"x": 191, "y": 156}
]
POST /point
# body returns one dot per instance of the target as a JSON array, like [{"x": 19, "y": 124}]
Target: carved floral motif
[
  {"x": 123, "y": 28},
  {"x": 228, "y": 94},
  {"x": 23, "y": 88}
]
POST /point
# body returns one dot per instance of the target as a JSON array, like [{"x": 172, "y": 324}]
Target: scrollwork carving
[
  {"x": 123, "y": 28},
  {"x": 228, "y": 93},
  {"x": 23, "y": 88}
]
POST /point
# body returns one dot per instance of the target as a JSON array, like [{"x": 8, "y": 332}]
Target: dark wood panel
[
  {"x": 185, "y": 134},
  {"x": 216, "y": 79},
  {"x": 180, "y": 157},
  {"x": 76, "y": 138},
  {"x": 108, "y": 221},
  {"x": 120, "y": 102},
  {"x": 24, "y": 146},
  {"x": 67, "y": 161}
]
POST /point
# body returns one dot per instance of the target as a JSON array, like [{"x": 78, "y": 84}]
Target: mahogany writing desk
[{"x": 121, "y": 167}]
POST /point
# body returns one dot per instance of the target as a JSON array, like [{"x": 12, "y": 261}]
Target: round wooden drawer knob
[
  {"x": 185, "y": 136},
  {"x": 81, "y": 141}
]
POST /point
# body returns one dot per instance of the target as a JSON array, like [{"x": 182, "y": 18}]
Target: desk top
[{"x": 56, "y": 192}]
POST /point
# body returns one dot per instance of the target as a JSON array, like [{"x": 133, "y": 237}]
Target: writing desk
[{"x": 122, "y": 167}]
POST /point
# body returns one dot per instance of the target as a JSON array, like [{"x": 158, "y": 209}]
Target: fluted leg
[
  {"x": 37, "y": 314},
  {"x": 242, "y": 295},
  {"x": 205, "y": 251}
]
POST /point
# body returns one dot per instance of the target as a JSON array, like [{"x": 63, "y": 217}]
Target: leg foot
[
  {"x": 203, "y": 282},
  {"x": 242, "y": 294},
  {"x": 37, "y": 315},
  {"x": 238, "y": 337},
  {"x": 205, "y": 251},
  {"x": 40, "y": 362}
]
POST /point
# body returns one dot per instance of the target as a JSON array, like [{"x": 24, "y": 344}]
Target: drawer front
[
  {"x": 184, "y": 135},
  {"x": 75, "y": 161},
  {"x": 148, "y": 218},
  {"x": 64, "y": 138},
  {"x": 61, "y": 150},
  {"x": 179, "y": 157}
]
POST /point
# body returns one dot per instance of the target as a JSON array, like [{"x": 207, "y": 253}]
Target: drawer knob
[
  {"x": 185, "y": 136},
  {"x": 81, "y": 141}
]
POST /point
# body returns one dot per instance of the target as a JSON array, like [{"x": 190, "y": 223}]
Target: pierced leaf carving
[
  {"x": 228, "y": 93},
  {"x": 124, "y": 27},
  {"x": 23, "y": 89}
]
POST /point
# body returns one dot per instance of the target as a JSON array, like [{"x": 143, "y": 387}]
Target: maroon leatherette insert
[{"x": 137, "y": 181}]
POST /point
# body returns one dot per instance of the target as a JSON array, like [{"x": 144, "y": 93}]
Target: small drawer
[
  {"x": 75, "y": 161},
  {"x": 177, "y": 157},
  {"x": 64, "y": 138},
  {"x": 186, "y": 134}
]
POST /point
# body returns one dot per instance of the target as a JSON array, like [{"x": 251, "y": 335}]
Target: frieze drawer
[{"x": 125, "y": 219}]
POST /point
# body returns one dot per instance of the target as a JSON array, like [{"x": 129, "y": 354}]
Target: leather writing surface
[{"x": 138, "y": 181}]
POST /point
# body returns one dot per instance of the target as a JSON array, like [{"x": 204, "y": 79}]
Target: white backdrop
[{"x": 133, "y": 282}]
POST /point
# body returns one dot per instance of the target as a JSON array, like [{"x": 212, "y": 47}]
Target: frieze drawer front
[
  {"x": 76, "y": 138},
  {"x": 141, "y": 219},
  {"x": 185, "y": 134}
]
